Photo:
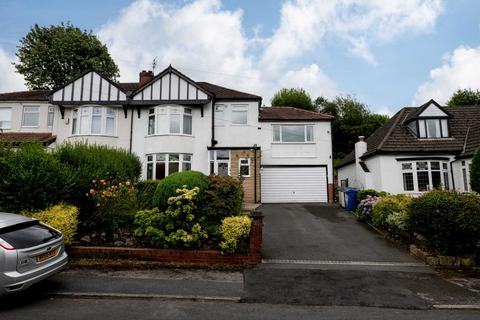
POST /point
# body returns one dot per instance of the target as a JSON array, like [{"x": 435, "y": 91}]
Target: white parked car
[{"x": 30, "y": 251}]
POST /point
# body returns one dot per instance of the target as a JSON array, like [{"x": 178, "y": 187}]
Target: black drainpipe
[{"x": 213, "y": 142}]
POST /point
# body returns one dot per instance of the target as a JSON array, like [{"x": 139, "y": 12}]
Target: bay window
[
  {"x": 94, "y": 121},
  {"x": 160, "y": 165},
  {"x": 424, "y": 175},
  {"x": 5, "y": 118},
  {"x": 293, "y": 133},
  {"x": 170, "y": 120},
  {"x": 220, "y": 162}
]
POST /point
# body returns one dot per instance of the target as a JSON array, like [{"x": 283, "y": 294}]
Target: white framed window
[
  {"x": 239, "y": 114},
  {"x": 170, "y": 120},
  {"x": 466, "y": 176},
  {"x": 161, "y": 165},
  {"x": 94, "y": 120},
  {"x": 5, "y": 118},
  {"x": 220, "y": 162},
  {"x": 31, "y": 115},
  {"x": 433, "y": 128},
  {"x": 50, "y": 116},
  {"x": 220, "y": 114},
  {"x": 244, "y": 167},
  {"x": 424, "y": 175},
  {"x": 293, "y": 133}
]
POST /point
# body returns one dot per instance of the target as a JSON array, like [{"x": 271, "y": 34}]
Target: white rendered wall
[{"x": 17, "y": 114}]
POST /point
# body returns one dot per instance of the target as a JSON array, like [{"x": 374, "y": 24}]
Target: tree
[
  {"x": 352, "y": 119},
  {"x": 50, "y": 56},
  {"x": 297, "y": 98},
  {"x": 475, "y": 171},
  {"x": 464, "y": 97}
]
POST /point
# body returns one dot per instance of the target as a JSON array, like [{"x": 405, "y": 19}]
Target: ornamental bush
[
  {"x": 177, "y": 227},
  {"x": 475, "y": 172},
  {"x": 62, "y": 217},
  {"x": 362, "y": 194},
  {"x": 31, "y": 179},
  {"x": 449, "y": 222},
  {"x": 167, "y": 187},
  {"x": 389, "y": 205},
  {"x": 235, "y": 232},
  {"x": 89, "y": 163},
  {"x": 364, "y": 208}
]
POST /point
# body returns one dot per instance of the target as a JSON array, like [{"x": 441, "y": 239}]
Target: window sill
[
  {"x": 436, "y": 139},
  {"x": 30, "y": 127},
  {"x": 239, "y": 125},
  {"x": 169, "y": 135},
  {"x": 302, "y": 143},
  {"x": 92, "y": 135}
]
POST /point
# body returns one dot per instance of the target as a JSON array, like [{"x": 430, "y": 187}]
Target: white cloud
[
  {"x": 10, "y": 80},
  {"x": 385, "y": 111},
  {"x": 458, "y": 71},
  {"x": 209, "y": 42}
]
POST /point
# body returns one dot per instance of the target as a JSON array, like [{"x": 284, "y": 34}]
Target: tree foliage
[
  {"x": 352, "y": 119},
  {"x": 50, "y": 56},
  {"x": 475, "y": 172},
  {"x": 292, "y": 97},
  {"x": 464, "y": 97}
]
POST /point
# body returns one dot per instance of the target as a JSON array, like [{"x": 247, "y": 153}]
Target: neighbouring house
[
  {"x": 176, "y": 124},
  {"x": 417, "y": 150}
]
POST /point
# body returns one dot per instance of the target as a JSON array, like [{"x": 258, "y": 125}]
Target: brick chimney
[{"x": 145, "y": 76}]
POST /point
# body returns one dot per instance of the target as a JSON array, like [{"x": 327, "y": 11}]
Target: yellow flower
[{"x": 92, "y": 191}]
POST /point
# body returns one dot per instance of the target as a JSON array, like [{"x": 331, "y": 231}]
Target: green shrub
[
  {"x": 362, "y": 194},
  {"x": 448, "y": 221},
  {"x": 235, "y": 232},
  {"x": 115, "y": 206},
  {"x": 475, "y": 172},
  {"x": 222, "y": 198},
  {"x": 145, "y": 192},
  {"x": 31, "y": 179},
  {"x": 177, "y": 227},
  {"x": 387, "y": 206},
  {"x": 93, "y": 163},
  {"x": 62, "y": 217},
  {"x": 168, "y": 187}
]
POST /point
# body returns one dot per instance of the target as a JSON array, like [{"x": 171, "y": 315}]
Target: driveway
[{"x": 323, "y": 232}]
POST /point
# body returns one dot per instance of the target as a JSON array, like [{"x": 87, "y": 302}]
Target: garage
[{"x": 284, "y": 184}]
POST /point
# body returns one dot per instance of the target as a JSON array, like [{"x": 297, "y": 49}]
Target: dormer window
[
  {"x": 433, "y": 128},
  {"x": 429, "y": 121}
]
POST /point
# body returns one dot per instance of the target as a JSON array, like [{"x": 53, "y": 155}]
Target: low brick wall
[
  {"x": 441, "y": 261},
  {"x": 179, "y": 256}
]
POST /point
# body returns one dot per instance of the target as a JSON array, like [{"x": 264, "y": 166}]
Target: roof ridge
[{"x": 390, "y": 130}]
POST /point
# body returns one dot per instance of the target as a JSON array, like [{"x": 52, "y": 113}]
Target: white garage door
[{"x": 294, "y": 184}]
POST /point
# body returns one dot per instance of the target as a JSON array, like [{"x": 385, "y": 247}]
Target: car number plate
[{"x": 47, "y": 255}]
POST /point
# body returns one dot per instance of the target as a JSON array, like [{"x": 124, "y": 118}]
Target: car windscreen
[{"x": 29, "y": 234}]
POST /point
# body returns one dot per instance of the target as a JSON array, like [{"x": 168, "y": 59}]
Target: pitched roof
[
  {"x": 32, "y": 95},
  {"x": 291, "y": 114},
  {"x": 227, "y": 93},
  {"x": 45, "y": 138},
  {"x": 395, "y": 137}
]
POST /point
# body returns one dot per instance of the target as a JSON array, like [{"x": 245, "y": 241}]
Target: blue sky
[{"x": 388, "y": 56}]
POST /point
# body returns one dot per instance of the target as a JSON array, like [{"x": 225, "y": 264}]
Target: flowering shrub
[
  {"x": 177, "y": 227},
  {"x": 364, "y": 208},
  {"x": 114, "y": 204},
  {"x": 391, "y": 205},
  {"x": 235, "y": 232}
]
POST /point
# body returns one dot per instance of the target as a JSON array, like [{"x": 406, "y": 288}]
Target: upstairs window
[
  {"x": 94, "y": 121},
  {"x": 5, "y": 118},
  {"x": 170, "y": 120},
  {"x": 293, "y": 133},
  {"x": 239, "y": 115},
  {"x": 219, "y": 115},
  {"x": 50, "y": 116},
  {"x": 432, "y": 128},
  {"x": 30, "y": 116}
]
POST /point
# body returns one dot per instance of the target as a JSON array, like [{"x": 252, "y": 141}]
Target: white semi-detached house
[
  {"x": 176, "y": 124},
  {"x": 417, "y": 150}
]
